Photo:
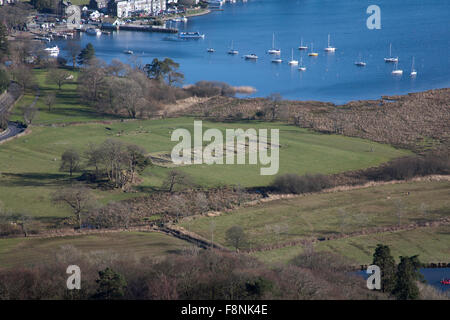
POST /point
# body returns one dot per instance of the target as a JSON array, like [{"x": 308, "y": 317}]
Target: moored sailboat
[{"x": 274, "y": 50}]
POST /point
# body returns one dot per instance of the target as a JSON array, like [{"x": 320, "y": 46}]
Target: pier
[{"x": 139, "y": 28}]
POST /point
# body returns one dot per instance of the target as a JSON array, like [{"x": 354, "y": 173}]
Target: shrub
[
  {"x": 407, "y": 168},
  {"x": 293, "y": 183},
  {"x": 211, "y": 88}
]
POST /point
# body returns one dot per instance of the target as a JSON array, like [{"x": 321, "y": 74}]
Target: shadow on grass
[{"x": 31, "y": 179}]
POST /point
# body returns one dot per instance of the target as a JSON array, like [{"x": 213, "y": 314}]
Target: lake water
[
  {"x": 433, "y": 276},
  {"x": 416, "y": 28}
]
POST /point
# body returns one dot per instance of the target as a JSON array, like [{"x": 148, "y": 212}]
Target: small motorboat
[
  {"x": 211, "y": 50},
  {"x": 53, "y": 52},
  {"x": 277, "y": 60},
  {"x": 128, "y": 52},
  {"x": 93, "y": 31}
]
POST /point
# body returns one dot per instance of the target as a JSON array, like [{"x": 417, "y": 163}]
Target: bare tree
[
  {"x": 49, "y": 100},
  {"x": 236, "y": 237},
  {"x": 70, "y": 161},
  {"x": 58, "y": 77},
  {"x": 117, "y": 68},
  {"x": 24, "y": 76},
  {"x": 176, "y": 178},
  {"x": 130, "y": 97},
  {"x": 79, "y": 198},
  {"x": 73, "y": 48},
  {"x": 92, "y": 80},
  {"x": 30, "y": 113},
  {"x": 273, "y": 108},
  {"x": 177, "y": 206},
  {"x": 24, "y": 221}
]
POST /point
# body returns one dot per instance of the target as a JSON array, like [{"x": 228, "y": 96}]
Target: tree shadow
[{"x": 32, "y": 179}]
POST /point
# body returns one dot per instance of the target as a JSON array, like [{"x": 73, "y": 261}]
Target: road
[{"x": 14, "y": 129}]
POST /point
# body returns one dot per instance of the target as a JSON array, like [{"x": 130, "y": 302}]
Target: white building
[{"x": 126, "y": 8}]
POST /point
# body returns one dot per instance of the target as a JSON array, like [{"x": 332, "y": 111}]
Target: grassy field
[
  {"x": 18, "y": 252},
  {"x": 67, "y": 107},
  {"x": 432, "y": 244},
  {"x": 322, "y": 215},
  {"x": 29, "y": 166}
]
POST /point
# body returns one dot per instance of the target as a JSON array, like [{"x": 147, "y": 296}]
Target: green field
[
  {"x": 29, "y": 166},
  {"x": 67, "y": 107},
  {"x": 322, "y": 215},
  {"x": 432, "y": 245},
  {"x": 16, "y": 252}
]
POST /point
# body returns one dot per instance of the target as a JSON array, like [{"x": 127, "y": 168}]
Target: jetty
[{"x": 142, "y": 28}]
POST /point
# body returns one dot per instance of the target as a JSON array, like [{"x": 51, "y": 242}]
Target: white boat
[
  {"x": 329, "y": 48},
  {"x": 302, "y": 47},
  {"x": 184, "y": 19},
  {"x": 211, "y": 50},
  {"x": 274, "y": 50},
  {"x": 232, "y": 51},
  {"x": 302, "y": 67},
  {"x": 293, "y": 62},
  {"x": 191, "y": 35},
  {"x": 360, "y": 63},
  {"x": 93, "y": 31},
  {"x": 53, "y": 51},
  {"x": 251, "y": 56},
  {"x": 312, "y": 53},
  {"x": 277, "y": 60},
  {"x": 397, "y": 71},
  {"x": 128, "y": 52},
  {"x": 391, "y": 58},
  {"x": 413, "y": 71}
]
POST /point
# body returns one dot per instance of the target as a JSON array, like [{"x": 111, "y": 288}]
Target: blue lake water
[
  {"x": 416, "y": 28},
  {"x": 433, "y": 276}
]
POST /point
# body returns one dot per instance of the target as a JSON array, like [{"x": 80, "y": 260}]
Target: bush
[
  {"x": 407, "y": 168},
  {"x": 293, "y": 183},
  {"x": 211, "y": 88}
]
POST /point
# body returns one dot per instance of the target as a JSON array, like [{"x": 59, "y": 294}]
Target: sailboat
[
  {"x": 312, "y": 53},
  {"x": 210, "y": 49},
  {"x": 413, "y": 71},
  {"x": 391, "y": 58},
  {"x": 397, "y": 71},
  {"x": 360, "y": 63},
  {"x": 293, "y": 62},
  {"x": 302, "y": 67},
  {"x": 329, "y": 48},
  {"x": 302, "y": 47},
  {"x": 273, "y": 50},
  {"x": 251, "y": 56},
  {"x": 232, "y": 51}
]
